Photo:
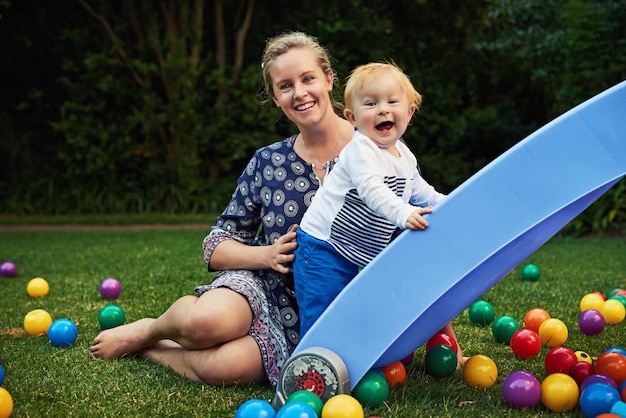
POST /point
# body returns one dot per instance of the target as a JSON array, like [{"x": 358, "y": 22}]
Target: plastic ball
[
  {"x": 480, "y": 371},
  {"x": 530, "y": 273},
  {"x": 559, "y": 392},
  {"x": 616, "y": 350},
  {"x": 591, "y": 301},
  {"x": 591, "y": 322},
  {"x": 296, "y": 409},
  {"x": 613, "y": 365},
  {"x": 618, "y": 410},
  {"x": 442, "y": 339},
  {"x": 37, "y": 322},
  {"x": 521, "y": 390},
  {"x": 582, "y": 356},
  {"x": 525, "y": 343},
  {"x": 37, "y": 287},
  {"x": 1, "y": 375},
  {"x": 620, "y": 297},
  {"x": 441, "y": 361},
  {"x": 395, "y": 373},
  {"x": 553, "y": 332},
  {"x": 308, "y": 398},
  {"x": 580, "y": 371},
  {"x": 110, "y": 288},
  {"x": 534, "y": 318},
  {"x": 372, "y": 390},
  {"x": 6, "y": 403},
  {"x": 8, "y": 269},
  {"x": 597, "y": 378},
  {"x": 62, "y": 332},
  {"x": 613, "y": 311},
  {"x": 503, "y": 328},
  {"x": 481, "y": 313},
  {"x": 342, "y": 406},
  {"x": 598, "y": 398},
  {"x": 559, "y": 360},
  {"x": 111, "y": 316},
  {"x": 255, "y": 408},
  {"x": 408, "y": 359}
]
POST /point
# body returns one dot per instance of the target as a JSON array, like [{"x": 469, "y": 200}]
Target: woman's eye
[
  {"x": 308, "y": 78},
  {"x": 284, "y": 87}
]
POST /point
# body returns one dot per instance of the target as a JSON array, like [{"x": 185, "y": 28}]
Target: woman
[{"x": 244, "y": 326}]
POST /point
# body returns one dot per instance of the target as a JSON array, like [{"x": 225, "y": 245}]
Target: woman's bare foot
[{"x": 125, "y": 339}]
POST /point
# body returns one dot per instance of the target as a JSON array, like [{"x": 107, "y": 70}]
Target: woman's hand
[{"x": 280, "y": 253}]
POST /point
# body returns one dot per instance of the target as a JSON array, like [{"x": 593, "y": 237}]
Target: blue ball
[
  {"x": 598, "y": 398},
  {"x": 62, "y": 332},
  {"x": 255, "y": 408},
  {"x": 296, "y": 409},
  {"x": 1, "y": 375}
]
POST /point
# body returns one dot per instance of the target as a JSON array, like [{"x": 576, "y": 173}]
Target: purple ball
[
  {"x": 597, "y": 378},
  {"x": 110, "y": 288},
  {"x": 8, "y": 269},
  {"x": 521, "y": 390},
  {"x": 591, "y": 322}
]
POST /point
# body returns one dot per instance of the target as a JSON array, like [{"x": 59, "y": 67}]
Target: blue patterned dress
[{"x": 272, "y": 194}]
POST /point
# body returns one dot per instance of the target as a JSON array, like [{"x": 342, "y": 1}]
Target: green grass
[{"x": 156, "y": 267}]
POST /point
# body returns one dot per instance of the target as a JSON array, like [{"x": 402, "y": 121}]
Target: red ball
[
  {"x": 580, "y": 371},
  {"x": 525, "y": 343},
  {"x": 611, "y": 364},
  {"x": 560, "y": 360},
  {"x": 442, "y": 339}
]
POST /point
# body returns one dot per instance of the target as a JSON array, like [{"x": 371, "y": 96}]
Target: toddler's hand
[{"x": 416, "y": 220}]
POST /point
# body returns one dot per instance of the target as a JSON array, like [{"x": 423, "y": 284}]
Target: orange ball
[
  {"x": 534, "y": 318},
  {"x": 395, "y": 373},
  {"x": 611, "y": 364}
]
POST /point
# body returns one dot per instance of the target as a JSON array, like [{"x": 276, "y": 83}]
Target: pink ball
[{"x": 110, "y": 288}]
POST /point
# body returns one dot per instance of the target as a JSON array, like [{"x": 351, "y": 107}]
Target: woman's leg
[{"x": 216, "y": 317}]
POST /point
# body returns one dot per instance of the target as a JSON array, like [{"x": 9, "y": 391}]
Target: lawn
[{"x": 156, "y": 267}]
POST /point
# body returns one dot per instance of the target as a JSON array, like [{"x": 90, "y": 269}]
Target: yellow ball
[
  {"x": 591, "y": 301},
  {"x": 342, "y": 406},
  {"x": 480, "y": 371},
  {"x": 37, "y": 287},
  {"x": 6, "y": 403},
  {"x": 582, "y": 356},
  {"x": 553, "y": 332},
  {"x": 37, "y": 322},
  {"x": 613, "y": 311},
  {"x": 559, "y": 392}
]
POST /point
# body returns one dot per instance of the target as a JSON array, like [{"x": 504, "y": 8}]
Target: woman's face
[{"x": 300, "y": 87}]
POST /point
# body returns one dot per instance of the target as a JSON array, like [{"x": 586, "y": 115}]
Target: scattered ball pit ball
[
  {"x": 8, "y": 269},
  {"x": 408, "y": 359},
  {"x": 481, "y": 313},
  {"x": 372, "y": 390},
  {"x": 530, "y": 273},
  {"x": 442, "y": 339},
  {"x": 1, "y": 375},
  {"x": 395, "y": 374},
  {"x": 521, "y": 390},
  {"x": 582, "y": 356},
  {"x": 559, "y": 392},
  {"x": 441, "y": 361},
  {"x": 308, "y": 398},
  {"x": 37, "y": 287},
  {"x": 553, "y": 332},
  {"x": 62, "y": 332},
  {"x": 534, "y": 318},
  {"x": 591, "y": 301},
  {"x": 503, "y": 328},
  {"x": 525, "y": 343},
  {"x": 613, "y": 311},
  {"x": 111, "y": 316},
  {"x": 37, "y": 322},
  {"x": 611, "y": 364},
  {"x": 591, "y": 322},
  {"x": 480, "y": 371},
  {"x": 110, "y": 288},
  {"x": 616, "y": 350},
  {"x": 296, "y": 409},
  {"x": 559, "y": 360},
  {"x": 597, "y": 378},
  {"x": 255, "y": 408},
  {"x": 342, "y": 406},
  {"x": 6, "y": 403},
  {"x": 598, "y": 398},
  {"x": 580, "y": 371}
]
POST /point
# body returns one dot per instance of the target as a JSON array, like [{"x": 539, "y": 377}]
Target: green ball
[
  {"x": 111, "y": 316},
  {"x": 503, "y": 328},
  {"x": 441, "y": 361},
  {"x": 309, "y": 398},
  {"x": 481, "y": 313},
  {"x": 530, "y": 273},
  {"x": 372, "y": 390}
]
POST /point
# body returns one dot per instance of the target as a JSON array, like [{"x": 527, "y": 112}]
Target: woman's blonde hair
[
  {"x": 286, "y": 41},
  {"x": 368, "y": 73}
]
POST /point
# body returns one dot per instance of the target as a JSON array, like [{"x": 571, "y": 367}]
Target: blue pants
[{"x": 320, "y": 273}]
